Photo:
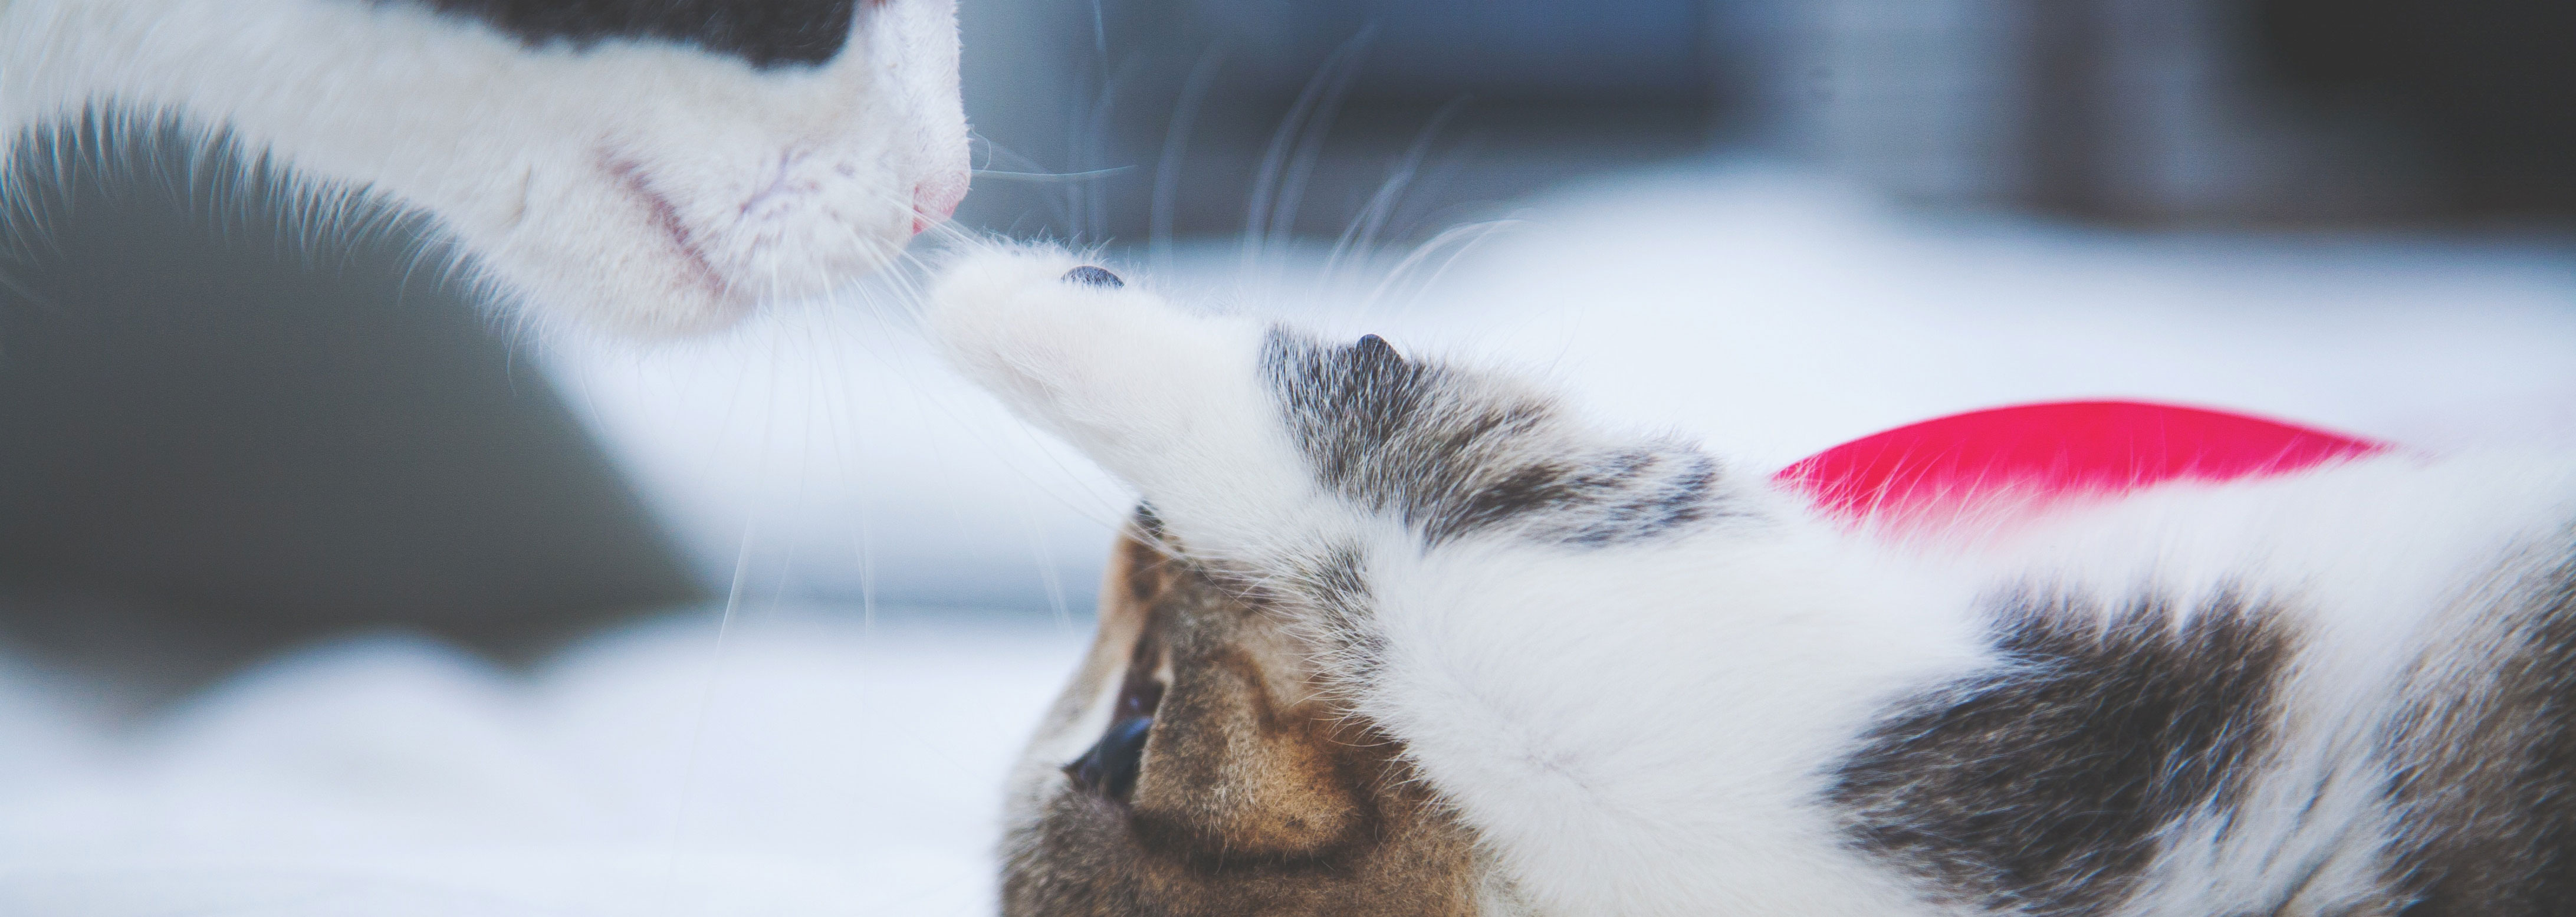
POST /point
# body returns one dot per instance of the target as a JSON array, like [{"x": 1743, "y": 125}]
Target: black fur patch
[
  {"x": 767, "y": 33},
  {"x": 1454, "y": 458},
  {"x": 2041, "y": 786},
  {"x": 1090, "y": 276},
  {"x": 2486, "y": 776},
  {"x": 1149, "y": 522}
]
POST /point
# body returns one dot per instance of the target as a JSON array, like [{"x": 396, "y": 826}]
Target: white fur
[
  {"x": 642, "y": 187},
  {"x": 1650, "y": 729}
]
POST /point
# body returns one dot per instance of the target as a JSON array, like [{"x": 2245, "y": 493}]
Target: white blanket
[{"x": 804, "y": 763}]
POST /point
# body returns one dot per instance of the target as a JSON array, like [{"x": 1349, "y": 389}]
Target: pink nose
[{"x": 936, "y": 199}]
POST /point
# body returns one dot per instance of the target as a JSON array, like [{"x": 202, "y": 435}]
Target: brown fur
[{"x": 1256, "y": 797}]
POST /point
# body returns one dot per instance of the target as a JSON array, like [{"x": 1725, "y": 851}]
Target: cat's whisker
[
  {"x": 1278, "y": 180},
  {"x": 1053, "y": 177},
  {"x": 1167, "y": 169},
  {"x": 995, "y": 152},
  {"x": 1361, "y": 235},
  {"x": 1453, "y": 242}
]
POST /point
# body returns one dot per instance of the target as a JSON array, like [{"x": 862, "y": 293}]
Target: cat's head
[
  {"x": 650, "y": 167},
  {"x": 1204, "y": 759},
  {"x": 1199, "y": 764},
  {"x": 1229, "y": 746}
]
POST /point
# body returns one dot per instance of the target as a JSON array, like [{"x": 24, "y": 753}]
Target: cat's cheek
[{"x": 603, "y": 263}]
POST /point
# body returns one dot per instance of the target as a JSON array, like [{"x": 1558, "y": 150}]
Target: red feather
[{"x": 2049, "y": 454}]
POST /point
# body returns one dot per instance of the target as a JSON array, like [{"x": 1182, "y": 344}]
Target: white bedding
[{"x": 807, "y": 763}]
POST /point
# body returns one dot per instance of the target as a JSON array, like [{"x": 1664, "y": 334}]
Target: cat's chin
[{"x": 660, "y": 301}]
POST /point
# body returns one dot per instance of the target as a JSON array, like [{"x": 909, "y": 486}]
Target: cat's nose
[
  {"x": 1093, "y": 277},
  {"x": 936, "y": 200}
]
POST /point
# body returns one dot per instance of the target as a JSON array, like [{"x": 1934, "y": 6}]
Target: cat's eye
[
  {"x": 1090, "y": 276},
  {"x": 1112, "y": 764}
]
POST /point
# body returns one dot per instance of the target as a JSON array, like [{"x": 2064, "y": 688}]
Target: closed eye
[{"x": 1112, "y": 764}]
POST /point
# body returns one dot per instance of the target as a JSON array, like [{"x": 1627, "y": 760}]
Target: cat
[
  {"x": 650, "y": 168},
  {"x": 1391, "y": 634}
]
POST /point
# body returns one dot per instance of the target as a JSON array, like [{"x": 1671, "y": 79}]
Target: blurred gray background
[
  {"x": 221, "y": 434},
  {"x": 2240, "y": 112}
]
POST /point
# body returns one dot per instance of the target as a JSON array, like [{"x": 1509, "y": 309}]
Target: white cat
[
  {"x": 1396, "y": 636},
  {"x": 651, "y": 167}
]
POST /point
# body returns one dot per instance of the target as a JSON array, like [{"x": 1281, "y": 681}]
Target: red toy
[{"x": 2051, "y": 454}]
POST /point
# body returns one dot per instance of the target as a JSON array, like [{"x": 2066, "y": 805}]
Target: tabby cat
[{"x": 1392, "y": 634}]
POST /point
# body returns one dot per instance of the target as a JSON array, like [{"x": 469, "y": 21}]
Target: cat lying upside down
[{"x": 1398, "y": 636}]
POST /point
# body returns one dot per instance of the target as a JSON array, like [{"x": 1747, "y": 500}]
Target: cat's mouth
[
  {"x": 665, "y": 216},
  {"x": 805, "y": 228}
]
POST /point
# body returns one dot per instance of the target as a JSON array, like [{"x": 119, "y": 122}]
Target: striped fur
[
  {"x": 1624, "y": 678},
  {"x": 1454, "y": 457}
]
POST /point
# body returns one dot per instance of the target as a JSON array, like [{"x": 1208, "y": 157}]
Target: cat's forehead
[{"x": 768, "y": 33}]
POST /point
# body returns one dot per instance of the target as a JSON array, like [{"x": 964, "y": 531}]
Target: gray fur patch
[
  {"x": 2486, "y": 776},
  {"x": 2041, "y": 787},
  {"x": 1453, "y": 455}
]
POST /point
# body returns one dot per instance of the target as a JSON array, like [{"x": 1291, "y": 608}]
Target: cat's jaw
[{"x": 644, "y": 188}]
